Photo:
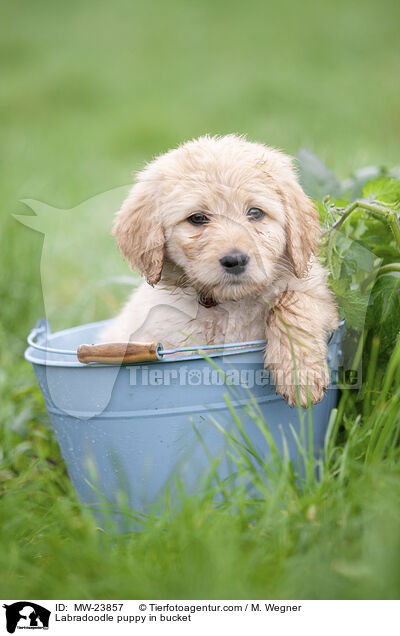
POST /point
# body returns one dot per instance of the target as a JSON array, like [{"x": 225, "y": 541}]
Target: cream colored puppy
[{"x": 224, "y": 236}]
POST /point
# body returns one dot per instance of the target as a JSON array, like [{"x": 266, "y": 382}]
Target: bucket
[{"x": 129, "y": 431}]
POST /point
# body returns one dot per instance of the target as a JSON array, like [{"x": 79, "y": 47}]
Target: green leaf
[
  {"x": 315, "y": 177},
  {"x": 383, "y": 189},
  {"x": 352, "y": 303},
  {"x": 357, "y": 181},
  {"x": 384, "y": 312}
]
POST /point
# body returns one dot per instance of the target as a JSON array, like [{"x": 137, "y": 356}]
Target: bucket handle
[
  {"x": 126, "y": 352},
  {"x": 119, "y": 352}
]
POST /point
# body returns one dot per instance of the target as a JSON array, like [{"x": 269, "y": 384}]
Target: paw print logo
[{"x": 194, "y": 377}]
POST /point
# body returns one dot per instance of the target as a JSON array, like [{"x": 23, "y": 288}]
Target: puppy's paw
[{"x": 310, "y": 386}]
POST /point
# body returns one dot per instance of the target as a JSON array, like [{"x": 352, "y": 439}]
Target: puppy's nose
[{"x": 235, "y": 262}]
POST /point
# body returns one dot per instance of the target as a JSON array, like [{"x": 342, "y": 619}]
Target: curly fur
[{"x": 282, "y": 295}]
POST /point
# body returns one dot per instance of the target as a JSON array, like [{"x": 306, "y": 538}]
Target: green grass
[{"x": 91, "y": 91}]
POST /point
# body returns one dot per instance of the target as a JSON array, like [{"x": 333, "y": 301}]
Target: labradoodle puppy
[{"x": 225, "y": 237}]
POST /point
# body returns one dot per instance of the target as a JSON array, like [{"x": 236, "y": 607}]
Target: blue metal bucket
[{"x": 127, "y": 432}]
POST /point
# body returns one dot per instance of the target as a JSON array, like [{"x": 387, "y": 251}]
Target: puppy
[{"x": 225, "y": 238}]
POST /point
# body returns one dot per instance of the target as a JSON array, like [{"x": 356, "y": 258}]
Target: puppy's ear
[
  {"x": 139, "y": 232},
  {"x": 303, "y": 228}
]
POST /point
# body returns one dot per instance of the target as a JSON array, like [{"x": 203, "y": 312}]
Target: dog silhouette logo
[{"x": 26, "y": 615}]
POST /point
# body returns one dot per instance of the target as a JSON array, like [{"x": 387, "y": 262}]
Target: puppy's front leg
[{"x": 297, "y": 330}]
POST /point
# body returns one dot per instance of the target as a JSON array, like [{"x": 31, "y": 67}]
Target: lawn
[{"x": 92, "y": 90}]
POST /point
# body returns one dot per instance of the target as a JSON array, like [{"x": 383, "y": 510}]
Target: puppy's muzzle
[{"x": 235, "y": 262}]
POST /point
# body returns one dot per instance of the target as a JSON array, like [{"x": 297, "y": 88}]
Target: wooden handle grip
[{"x": 118, "y": 352}]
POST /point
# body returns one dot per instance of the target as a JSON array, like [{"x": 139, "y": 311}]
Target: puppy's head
[{"x": 227, "y": 213}]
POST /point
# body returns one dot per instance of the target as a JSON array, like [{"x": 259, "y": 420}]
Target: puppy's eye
[
  {"x": 198, "y": 219},
  {"x": 255, "y": 214}
]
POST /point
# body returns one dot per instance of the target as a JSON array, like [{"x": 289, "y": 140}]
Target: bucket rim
[{"x": 42, "y": 331}]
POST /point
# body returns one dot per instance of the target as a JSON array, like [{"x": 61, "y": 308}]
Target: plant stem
[
  {"x": 385, "y": 269},
  {"x": 395, "y": 225},
  {"x": 389, "y": 215}
]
